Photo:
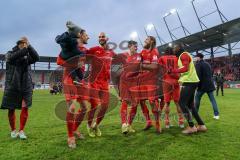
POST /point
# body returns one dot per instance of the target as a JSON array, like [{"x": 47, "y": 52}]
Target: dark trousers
[
  {"x": 186, "y": 103},
  {"x": 220, "y": 85}
]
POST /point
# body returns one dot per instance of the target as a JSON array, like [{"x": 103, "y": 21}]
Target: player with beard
[
  {"x": 171, "y": 87},
  {"x": 73, "y": 40},
  {"x": 82, "y": 88},
  {"x": 189, "y": 82},
  {"x": 149, "y": 65},
  {"x": 100, "y": 57}
]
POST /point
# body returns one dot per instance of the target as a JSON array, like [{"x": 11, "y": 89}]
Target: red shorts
[
  {"x": 100, "y": 85},
  {"x": 171, "y": 91},
  {"x": 144, "y": 92},
  {"x": 99, "y": 93},
  {"x": 83, "y": 92},
  {"x": 70, "y": 90},
  {"x": 74, "y": 92}
]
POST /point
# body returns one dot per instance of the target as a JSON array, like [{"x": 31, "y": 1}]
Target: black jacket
[
  {"x": 18, "y": 81},
  {"x": 219, "y": 78},
  {"x": 205, "y": 75},
  {"x": 69, "y": 46}
]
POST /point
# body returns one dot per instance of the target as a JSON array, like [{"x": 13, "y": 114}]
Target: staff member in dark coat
[
  {"x": 18, "y": 84},
  {"x": 220, "y": 81},
  {"x": 206, "y": 84}
]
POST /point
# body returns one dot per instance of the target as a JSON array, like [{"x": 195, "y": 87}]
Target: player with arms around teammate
[
  {"x": 127, "y": 80},
  {"x": 149, "y": 68},
  {"x": 171, "y": 87}
]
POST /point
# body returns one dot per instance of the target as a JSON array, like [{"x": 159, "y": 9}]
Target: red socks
[
  {"x": 156, "y": 112},
  {"x": 123, "y": 112},
  {"x": 23, "y": 118},
  {"x": 91, "y": 113},
  {"x": 162, "y": 103},
  {"x": 79, "y": 118},
  {"x": 145, "y": 112},
  {"x": 101, "y": 113},
  {"x": 167, "y": 111},
  {"x": 70, "y": 123},
  {"x": 132, "y": 114}
]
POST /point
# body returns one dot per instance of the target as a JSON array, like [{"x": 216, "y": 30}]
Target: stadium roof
[
  {"x": 47, "y": 59},
  {"x": 222, "y": 34},
  {"x": 42, "y": 58}
]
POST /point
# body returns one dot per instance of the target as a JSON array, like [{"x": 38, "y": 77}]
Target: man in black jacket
[
  {"x": 219, "y": 81},
  {"x": 206, "y": 84},
  {"x": 18, "y": 84}
]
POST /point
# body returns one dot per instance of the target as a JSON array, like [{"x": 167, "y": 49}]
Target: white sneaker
[
  {"x": 167, "y": 126},
  {"x": 91, "y": 132},
  {"x": 97, "y": 130},
  {"x": 71, "y": 142},
  {"x": 14, "y": 134},
  {"x": 22, "y": 135},
  {"x": 124, "y": 128},
  {"x": 130, "y": 129},
  {"x": 216, "y": 117},
  {"x": 181, "y": 126}
]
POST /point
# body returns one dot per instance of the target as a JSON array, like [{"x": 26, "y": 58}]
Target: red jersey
[
  {"x": 149, "y": 56},
  {"x": 70, "y": 90},
  {"x": 169, "y": 63},
  {"x": 101, "y": 60},
  {"x": 128, "y": 78},
  {"x": 131, "y": 62},
  {"x": 83, "y": 59},
  {"x": 136, "y": 58}
]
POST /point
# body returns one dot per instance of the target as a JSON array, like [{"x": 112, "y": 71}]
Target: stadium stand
[{"x": 229, "y": 66}]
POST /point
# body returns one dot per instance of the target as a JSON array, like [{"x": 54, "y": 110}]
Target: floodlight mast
[
  {"x": 203, "y": 26},
  {"x": 134, "y": 35},
  {"x": 164, "y": 19},
  {"x": 172, "y": 12},
  {"x": 151, "y": 26}
]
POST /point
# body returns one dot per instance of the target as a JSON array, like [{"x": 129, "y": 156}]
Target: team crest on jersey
[
  {"x": 155, "y": 58},
  {"x": 138, "y": 58}
]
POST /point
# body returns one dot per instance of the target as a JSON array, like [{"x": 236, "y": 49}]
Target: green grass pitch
[{"x": 47, "y": 135}]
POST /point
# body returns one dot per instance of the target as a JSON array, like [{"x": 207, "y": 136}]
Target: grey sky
[{"x": 42, "y": 20}]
